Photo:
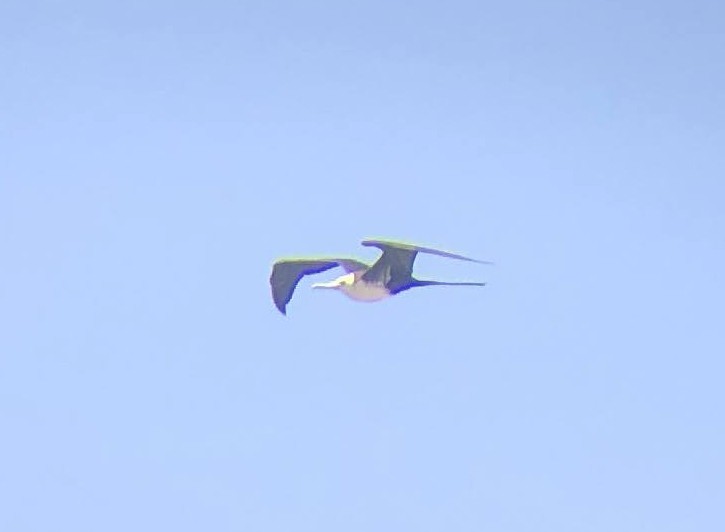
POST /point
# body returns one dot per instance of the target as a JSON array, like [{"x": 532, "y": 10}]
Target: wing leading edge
[{"x": 412, "y": 248}]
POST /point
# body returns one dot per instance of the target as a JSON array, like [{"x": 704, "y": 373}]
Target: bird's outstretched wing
[
  {"x": 286, "y": 273},
  {"x": 403, "y": 248},
  {"x": 394, "y": 268}
]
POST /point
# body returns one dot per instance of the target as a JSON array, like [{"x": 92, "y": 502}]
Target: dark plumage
[{"x": 390, "y": 274}]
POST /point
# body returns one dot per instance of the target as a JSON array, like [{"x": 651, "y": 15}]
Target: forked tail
[
  {"x": 413, "y": 283},
  {"x": 444, "y": 283}
]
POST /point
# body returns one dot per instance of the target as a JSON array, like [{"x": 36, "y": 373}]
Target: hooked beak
[{"x": 330, "y": 284}]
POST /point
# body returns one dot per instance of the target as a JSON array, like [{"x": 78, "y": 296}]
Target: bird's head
[{"x": 345, "y": 280}]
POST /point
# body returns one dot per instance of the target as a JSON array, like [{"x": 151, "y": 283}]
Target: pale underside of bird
[{"x": 391, "y": 274}]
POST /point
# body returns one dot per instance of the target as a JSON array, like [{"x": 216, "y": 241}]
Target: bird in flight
[{"x": 391, "y": 274}]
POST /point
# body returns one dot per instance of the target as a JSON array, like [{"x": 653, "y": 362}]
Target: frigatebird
[{"x": 391, "y": 274}]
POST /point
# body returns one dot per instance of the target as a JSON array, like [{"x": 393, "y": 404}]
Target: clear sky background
[{"x": 156, "y": 157}]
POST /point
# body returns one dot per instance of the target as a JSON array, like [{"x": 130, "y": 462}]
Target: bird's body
[
  {"x": 389, "y": 275},
  {"x": 356, "y": 288}
]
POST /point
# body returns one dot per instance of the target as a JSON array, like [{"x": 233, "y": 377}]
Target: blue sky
[{"x": 157, "y": 157}]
